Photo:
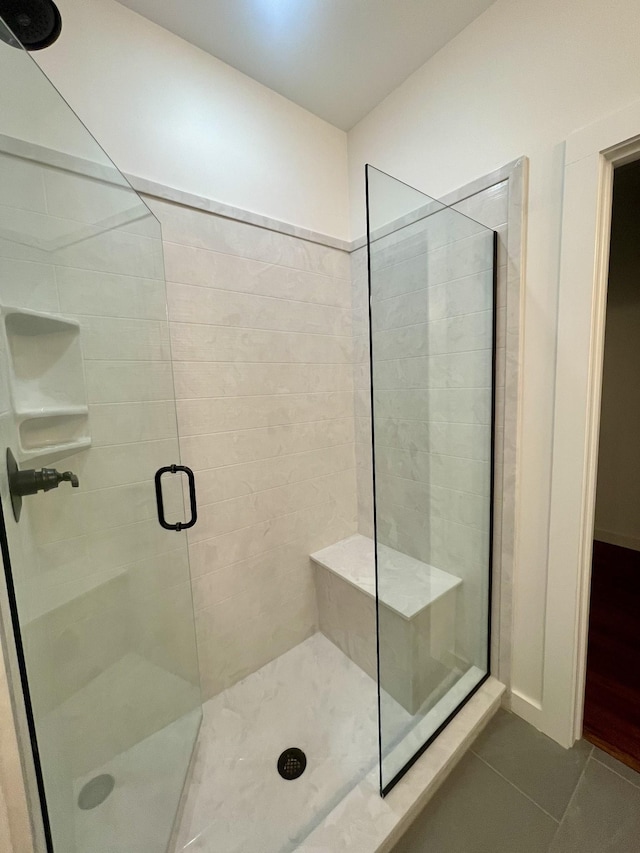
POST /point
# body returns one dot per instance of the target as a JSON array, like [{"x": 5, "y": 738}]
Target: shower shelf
[{"x": 46, "y": 383}]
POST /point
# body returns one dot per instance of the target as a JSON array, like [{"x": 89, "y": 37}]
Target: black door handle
[{"x": 179, "y": 525}]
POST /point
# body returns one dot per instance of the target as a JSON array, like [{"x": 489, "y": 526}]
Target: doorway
[{"x": 612, "y": 693}]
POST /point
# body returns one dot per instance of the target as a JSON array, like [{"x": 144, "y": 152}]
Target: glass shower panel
[
  {"x": 431, "y": 287},
  {"x": 100, "y": 591}
]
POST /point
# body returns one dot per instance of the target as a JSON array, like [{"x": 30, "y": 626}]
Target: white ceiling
[{"x": 336, "y": 58}]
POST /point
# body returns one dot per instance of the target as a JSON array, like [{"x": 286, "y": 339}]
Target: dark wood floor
[{"x": 612, "y": 700}]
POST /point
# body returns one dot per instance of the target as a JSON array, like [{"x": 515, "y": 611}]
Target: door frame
[{"x": 591, "y": 155}]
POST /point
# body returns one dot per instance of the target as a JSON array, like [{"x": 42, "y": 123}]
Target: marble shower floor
[{"x": 312, "y": 697}]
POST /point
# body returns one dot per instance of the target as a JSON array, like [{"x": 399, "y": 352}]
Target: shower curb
[{"x": 364, "y": 822}]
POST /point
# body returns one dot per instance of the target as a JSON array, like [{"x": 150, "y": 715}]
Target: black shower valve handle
[
  {"x": 32, "y": 481},
  {"x": 70, "y": 477}
]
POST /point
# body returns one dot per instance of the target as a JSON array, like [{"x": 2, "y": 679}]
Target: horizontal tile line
[
  {"x": 396, "y": 390},
  {"x": 95, "y": 402},
  {"x": 437, "y": 284},
  {"x": 432, "y": 355},
  {"x": 300, "y": 362},
  {"x": 258, "y": 329},
  {"x": 133, "y": 361},
  {"x": 148, "y": 481},
  {"x": 348, "y": 391},
  {"x": 98, "y": 531},
  {"x": 293, "y": 571},
  {"x": 245, "y": 559},
  {"x": 310, "y": 364},
  {"x": 280, "y": 486},
  {"x": 137, "y": 441},
  {"x": 267, "y": 426},
  {"x": 346, "y": 419},
  {"x": 272, "y": 264},
  {"x": 485, "y": 424},
  {"x": 211, "y": 289},
  {"x": 327, "y": 499},
  {"x": 263, "y": 614},
  {"x": 143, "y": 278},
  {"x": 127, "y": 526},
  {"x": 291, "y": 514},
  {"x": 307, "y": 334},
  {"x": 278, "y": 456},
  {"x": 484, "y": 531},
  {"x": 449, "y": 319},
  {"x": 398, "y": 262},
  {"x": 432, "y": 486},
  {"x": 113, "y": 573},
  {"x": 180, "y": 399},
  {"x": 261, "y": 260},
  {"x": 256, "y": 296},
  {"x": 163, "y": 400},
  {"x": 163, "y": 321},
  {"x": 437, "y": 455},
  {"x": 267, "y": 396}
]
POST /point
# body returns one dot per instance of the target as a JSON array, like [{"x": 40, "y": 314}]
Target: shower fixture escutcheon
[{"x": 31, "y": 481}]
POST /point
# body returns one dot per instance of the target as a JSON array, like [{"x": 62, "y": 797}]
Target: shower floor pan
[{"x": 316, "y": 699}]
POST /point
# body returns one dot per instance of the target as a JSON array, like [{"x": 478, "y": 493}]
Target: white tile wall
[
  {"x": 262, "y": 349},
  {"x": 262, "y": 344},
  {"x": 432, "y": 347}
]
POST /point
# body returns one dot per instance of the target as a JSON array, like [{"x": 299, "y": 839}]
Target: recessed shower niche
[{"x": 46, "y": 381}]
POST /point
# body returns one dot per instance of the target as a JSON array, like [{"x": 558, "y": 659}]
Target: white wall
[
  {"x": 169, "y": 112},
  {"x": 516, "y": 81},
  {"x": 618, "y": 493}
]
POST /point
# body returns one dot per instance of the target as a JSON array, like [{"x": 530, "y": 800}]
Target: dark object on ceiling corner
[{"x": 36, "y": 24}]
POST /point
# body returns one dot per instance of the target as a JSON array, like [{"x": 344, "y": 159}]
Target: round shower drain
[
  {"x": 96, "y": 791},
  {"x": 292, "y": 763}
]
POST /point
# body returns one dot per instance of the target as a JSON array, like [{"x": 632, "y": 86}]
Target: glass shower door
[
  {"x": 98, "y": 591},
  {"x": 432, "y": 310}
]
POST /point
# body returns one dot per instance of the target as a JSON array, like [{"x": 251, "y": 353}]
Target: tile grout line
[
  {"x": 575, "y": 790},
  {"x": 513, "y": 785},
  {"x": 606, "y": 766}
]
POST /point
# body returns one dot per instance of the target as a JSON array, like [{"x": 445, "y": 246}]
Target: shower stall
[{"x": 246, "y": 505}]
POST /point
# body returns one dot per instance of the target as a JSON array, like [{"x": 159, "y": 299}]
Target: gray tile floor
[{"x": 519, "y": 792}]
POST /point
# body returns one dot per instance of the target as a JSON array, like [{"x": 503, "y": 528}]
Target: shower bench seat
[{"x": 417, "y": 616}]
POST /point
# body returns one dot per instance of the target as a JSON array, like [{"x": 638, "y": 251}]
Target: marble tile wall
[
  {"x": 433, "y": 368},
  {"x": 261, "y": 333}
]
